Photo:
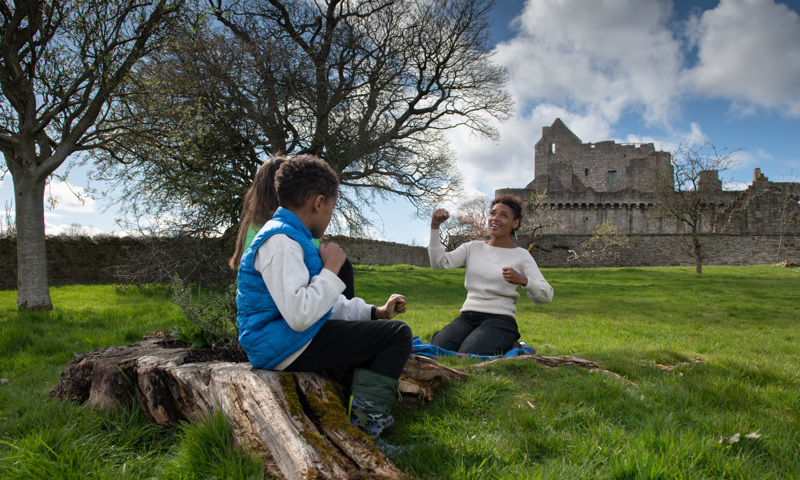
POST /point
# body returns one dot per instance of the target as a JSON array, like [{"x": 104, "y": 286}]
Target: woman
[
  {"x": 494, "y": 269},
  {"x": 260, "y": 203}
]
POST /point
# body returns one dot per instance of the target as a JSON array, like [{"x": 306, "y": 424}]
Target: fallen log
[
  {"x": 553, "y": 362},
  {"x": 542, "y": 360}
]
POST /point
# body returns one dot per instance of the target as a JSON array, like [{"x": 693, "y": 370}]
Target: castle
[{"x": 589, "y": 183}]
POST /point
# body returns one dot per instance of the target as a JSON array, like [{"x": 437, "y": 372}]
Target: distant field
[{"x": 708, "y": 386}]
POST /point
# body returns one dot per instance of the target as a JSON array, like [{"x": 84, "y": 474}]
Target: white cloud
[
  {"x": 70, "y": 198},
  {"x": 70, "y": 229},
  {"x": 604, "y": 59},
  {"x": 748, "y": 52},
  {"x": 763, "y": 154}
]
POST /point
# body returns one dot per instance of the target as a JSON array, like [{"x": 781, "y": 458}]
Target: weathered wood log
[
  {"x": 546, "y": 361},
  {"x": 553, "y": 362},
  {"x": 421, "y": 376},
  {"x": 297, "y": 421}
]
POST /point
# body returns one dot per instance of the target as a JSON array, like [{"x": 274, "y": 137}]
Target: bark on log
[{"x": 421, "y": 376}]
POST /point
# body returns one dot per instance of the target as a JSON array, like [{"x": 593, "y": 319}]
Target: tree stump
[{"x": 297, "y": 421}]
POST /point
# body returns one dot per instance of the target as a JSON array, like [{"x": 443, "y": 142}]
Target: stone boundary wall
[
  {"x": 670, "y": 250},
  {"x": 85, "y": 260},
  {"x": 93, "y": 260}
]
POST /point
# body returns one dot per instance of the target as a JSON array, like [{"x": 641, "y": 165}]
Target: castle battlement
[{"x": 590, "y": 183}]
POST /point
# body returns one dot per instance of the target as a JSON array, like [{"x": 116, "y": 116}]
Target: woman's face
[{"x": 501, "y": 220}]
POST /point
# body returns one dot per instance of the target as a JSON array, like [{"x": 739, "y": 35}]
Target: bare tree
[
  {"x": 61, "y": 63},
  {"x": 607, "y": 243},
  {"x": 469, "y": 222},
  {"x": 540, "y": 218},
  {"x": 7, "y": 225},
  {"x": 691, "y": 192},
  {"x": 368, "y": 86},
  {"x": 76, "y": 230}
]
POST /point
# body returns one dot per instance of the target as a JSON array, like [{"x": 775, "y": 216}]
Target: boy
[{"x": 291, "y": 313}]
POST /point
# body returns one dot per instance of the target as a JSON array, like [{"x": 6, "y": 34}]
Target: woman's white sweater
[{"x": 487, "y": 290}]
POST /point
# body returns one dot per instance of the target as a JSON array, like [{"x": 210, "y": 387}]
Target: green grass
[
  {"x": 526, "y": 421},
  {"x": 732, "y": 332}
]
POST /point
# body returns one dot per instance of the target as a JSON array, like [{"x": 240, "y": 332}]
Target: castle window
[
  {"x": 586, "y": 172},
  {"x": 612, "y": 176},
  {"x": 552, "y": 148}
]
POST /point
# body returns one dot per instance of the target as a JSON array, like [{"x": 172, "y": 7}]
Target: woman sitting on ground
[
  {"x": 260, "y": 203},
  {"x": 494, "y": 268}
]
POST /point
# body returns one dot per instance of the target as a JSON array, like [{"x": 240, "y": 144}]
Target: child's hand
[
  {"x": 395, "y": 305},
  {"x": 332, "y": 256}
]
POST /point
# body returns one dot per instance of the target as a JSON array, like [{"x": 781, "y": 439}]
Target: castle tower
[{"x": 563, "y": 163}]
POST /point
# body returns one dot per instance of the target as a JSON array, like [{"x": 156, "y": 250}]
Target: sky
[{"x": 645, "y": 71}]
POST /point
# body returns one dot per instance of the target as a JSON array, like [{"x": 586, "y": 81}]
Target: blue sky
[{"x": 726, "y": 72}]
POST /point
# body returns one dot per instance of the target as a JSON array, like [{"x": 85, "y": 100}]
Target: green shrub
[{"x": 210, "y": 315}]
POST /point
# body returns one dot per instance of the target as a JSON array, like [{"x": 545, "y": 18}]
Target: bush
[{"x": 210, "y": 315}]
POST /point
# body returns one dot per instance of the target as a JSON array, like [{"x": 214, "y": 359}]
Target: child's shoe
[{"x": 372, "y": 396}]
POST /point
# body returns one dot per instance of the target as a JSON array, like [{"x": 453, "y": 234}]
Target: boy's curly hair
[{"x": 302, "y": 177}]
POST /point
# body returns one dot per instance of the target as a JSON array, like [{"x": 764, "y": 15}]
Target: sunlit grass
[{"x": 731, "y": 334}]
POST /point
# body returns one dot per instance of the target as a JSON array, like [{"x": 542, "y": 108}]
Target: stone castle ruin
[{"x": 589, "y": 183}]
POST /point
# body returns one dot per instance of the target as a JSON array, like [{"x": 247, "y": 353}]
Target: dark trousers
[
  {"x": 478, "y": 333},
  {"x": 382, "y": 346},
  {"x": 346, "y": 275}
]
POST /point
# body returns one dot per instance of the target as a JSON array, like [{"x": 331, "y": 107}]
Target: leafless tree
[
  {"x": 690, "y": 192},
  {"x": 75, "y": 230},
  {"x": 789, "y": 213},
  {"x": 607, "y": 243},
  {"x": 7, "y": 225},
  {"x": 540, "y": 218},
  {"x": 469, "y": 222},
  {"x": 61, "y": 63}
]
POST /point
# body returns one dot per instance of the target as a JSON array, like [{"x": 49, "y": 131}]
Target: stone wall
[
  {"x": 96, "y": 261},
  {"x": 670, "y": 250},
  {"x": 104, "y": 260}
]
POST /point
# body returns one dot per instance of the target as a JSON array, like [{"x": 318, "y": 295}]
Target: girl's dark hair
[
  {"x": 511, "y": 202},
  {"x": 302, "y": 178},
  {"x": 260, "y": 202}
]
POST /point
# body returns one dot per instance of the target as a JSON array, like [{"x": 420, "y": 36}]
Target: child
[
  {"x": 260, "y": 202},
  {"x": 291, "y": 313}
]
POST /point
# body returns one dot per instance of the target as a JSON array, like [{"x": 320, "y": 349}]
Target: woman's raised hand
[{"x": 440, "y": 215}]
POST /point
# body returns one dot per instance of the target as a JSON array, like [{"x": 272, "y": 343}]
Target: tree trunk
[
  {"x": 33, "y": 291},
  {"x": 697, "y": 249}
]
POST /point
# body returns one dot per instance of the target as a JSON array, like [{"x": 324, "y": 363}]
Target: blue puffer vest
[{"x": 263, "y": 333}]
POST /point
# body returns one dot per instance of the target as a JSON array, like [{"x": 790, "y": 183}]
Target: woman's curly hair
[{"x": 511, "y": 202}]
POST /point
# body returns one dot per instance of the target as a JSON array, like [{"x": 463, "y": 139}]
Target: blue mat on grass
[{"x": 432, "y": 351}]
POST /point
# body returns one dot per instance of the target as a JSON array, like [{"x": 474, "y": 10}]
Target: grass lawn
[{"x": 730, "y": 407}]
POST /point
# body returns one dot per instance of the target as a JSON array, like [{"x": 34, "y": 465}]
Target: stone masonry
[{"x": 589, "y": 183}]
